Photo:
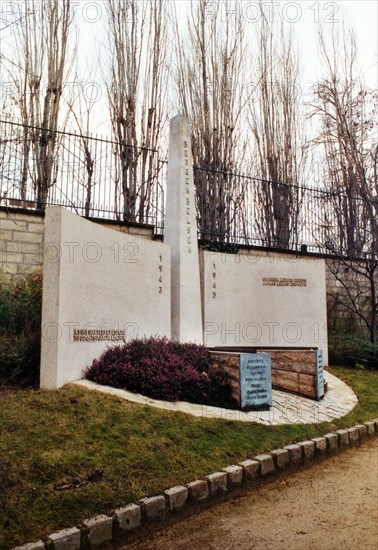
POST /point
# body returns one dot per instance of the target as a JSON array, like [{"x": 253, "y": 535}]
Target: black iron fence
[
  {"x": 97, "y": 177},
  {"x": 238, "y": 209},
  {"x": 92, "y": 176},
  {"x": 235, "y": 208}
]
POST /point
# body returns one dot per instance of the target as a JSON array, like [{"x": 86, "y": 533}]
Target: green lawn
[{"x": 70, "y": 454}]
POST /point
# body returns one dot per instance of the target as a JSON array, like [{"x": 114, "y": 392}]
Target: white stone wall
[
  {"x": 96, "y": 279},
  {"x": 260, "y": 299}
]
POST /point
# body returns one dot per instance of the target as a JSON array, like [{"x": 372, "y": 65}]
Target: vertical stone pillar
[{"x": 181, "y": 234}]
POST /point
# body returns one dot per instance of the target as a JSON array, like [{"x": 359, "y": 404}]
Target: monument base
[{"x": 298, "y": 371}]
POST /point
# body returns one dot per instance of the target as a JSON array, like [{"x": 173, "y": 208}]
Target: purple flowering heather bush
[{"x": 162, "y": 369}]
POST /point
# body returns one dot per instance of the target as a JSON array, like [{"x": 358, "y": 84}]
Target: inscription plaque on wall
[
  {"x": 98, "y": 335},
  {"x": 319, "y": 374},
  {"x": 255, "y": 380},
  {"x": 283, "y": 281}
]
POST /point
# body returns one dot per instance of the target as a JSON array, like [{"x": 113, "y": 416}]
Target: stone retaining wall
[
  {"x": 22, "y": 250},
  {"x": 21, "y": 244},
  {"x": 22, "y": 240},
  {"x": 340, "y": 318},
  {"x": 125, "y": 521}
]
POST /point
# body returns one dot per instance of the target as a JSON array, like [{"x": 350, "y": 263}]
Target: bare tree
[
  {"x": 277, "y": 125},
  {"x": 210, "y": 62},
  {"x": 348, "y": 114},
  {"x": 137, "y": 97},
  {"x": 81, "y": 108},
  {"x": 38, "y": 74}
]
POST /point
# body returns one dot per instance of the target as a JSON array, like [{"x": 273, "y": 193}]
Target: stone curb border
[{"x": 102, "y": 529}]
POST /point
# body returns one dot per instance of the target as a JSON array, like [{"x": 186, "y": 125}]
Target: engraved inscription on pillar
[
  {"x": 188, "y": 235},
  {"x": 160, "y": 274},
  {"x": 214, "y": 281}
]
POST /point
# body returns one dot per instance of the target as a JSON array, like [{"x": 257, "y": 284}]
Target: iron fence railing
[
  {"x": 88, "y": 174},
  {"x": 239, "y": 209},
  {"x": 97, "y": 177}
]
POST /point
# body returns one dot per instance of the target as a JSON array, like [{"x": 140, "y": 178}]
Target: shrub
[
  {"x": 352, "y": 351},
  {"x": 20, "y": 330},
  {"x": 162, "y": 369}
]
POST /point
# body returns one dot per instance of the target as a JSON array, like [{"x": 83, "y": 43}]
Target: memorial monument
[
  {"x": 102, "y": 286},
  {"x": 180, "y": 233}
]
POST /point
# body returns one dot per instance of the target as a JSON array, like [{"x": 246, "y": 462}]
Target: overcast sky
[{"x": 304, "y": 16}]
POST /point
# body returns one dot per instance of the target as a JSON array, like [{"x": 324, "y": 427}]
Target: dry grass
[{"x": 70, "y": 454}]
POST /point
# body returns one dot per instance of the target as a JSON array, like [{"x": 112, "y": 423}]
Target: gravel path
[{"x": 329, "y": 506}]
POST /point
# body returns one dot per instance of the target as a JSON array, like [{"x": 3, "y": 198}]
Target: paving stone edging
[{"x": 101, "y": 530}]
